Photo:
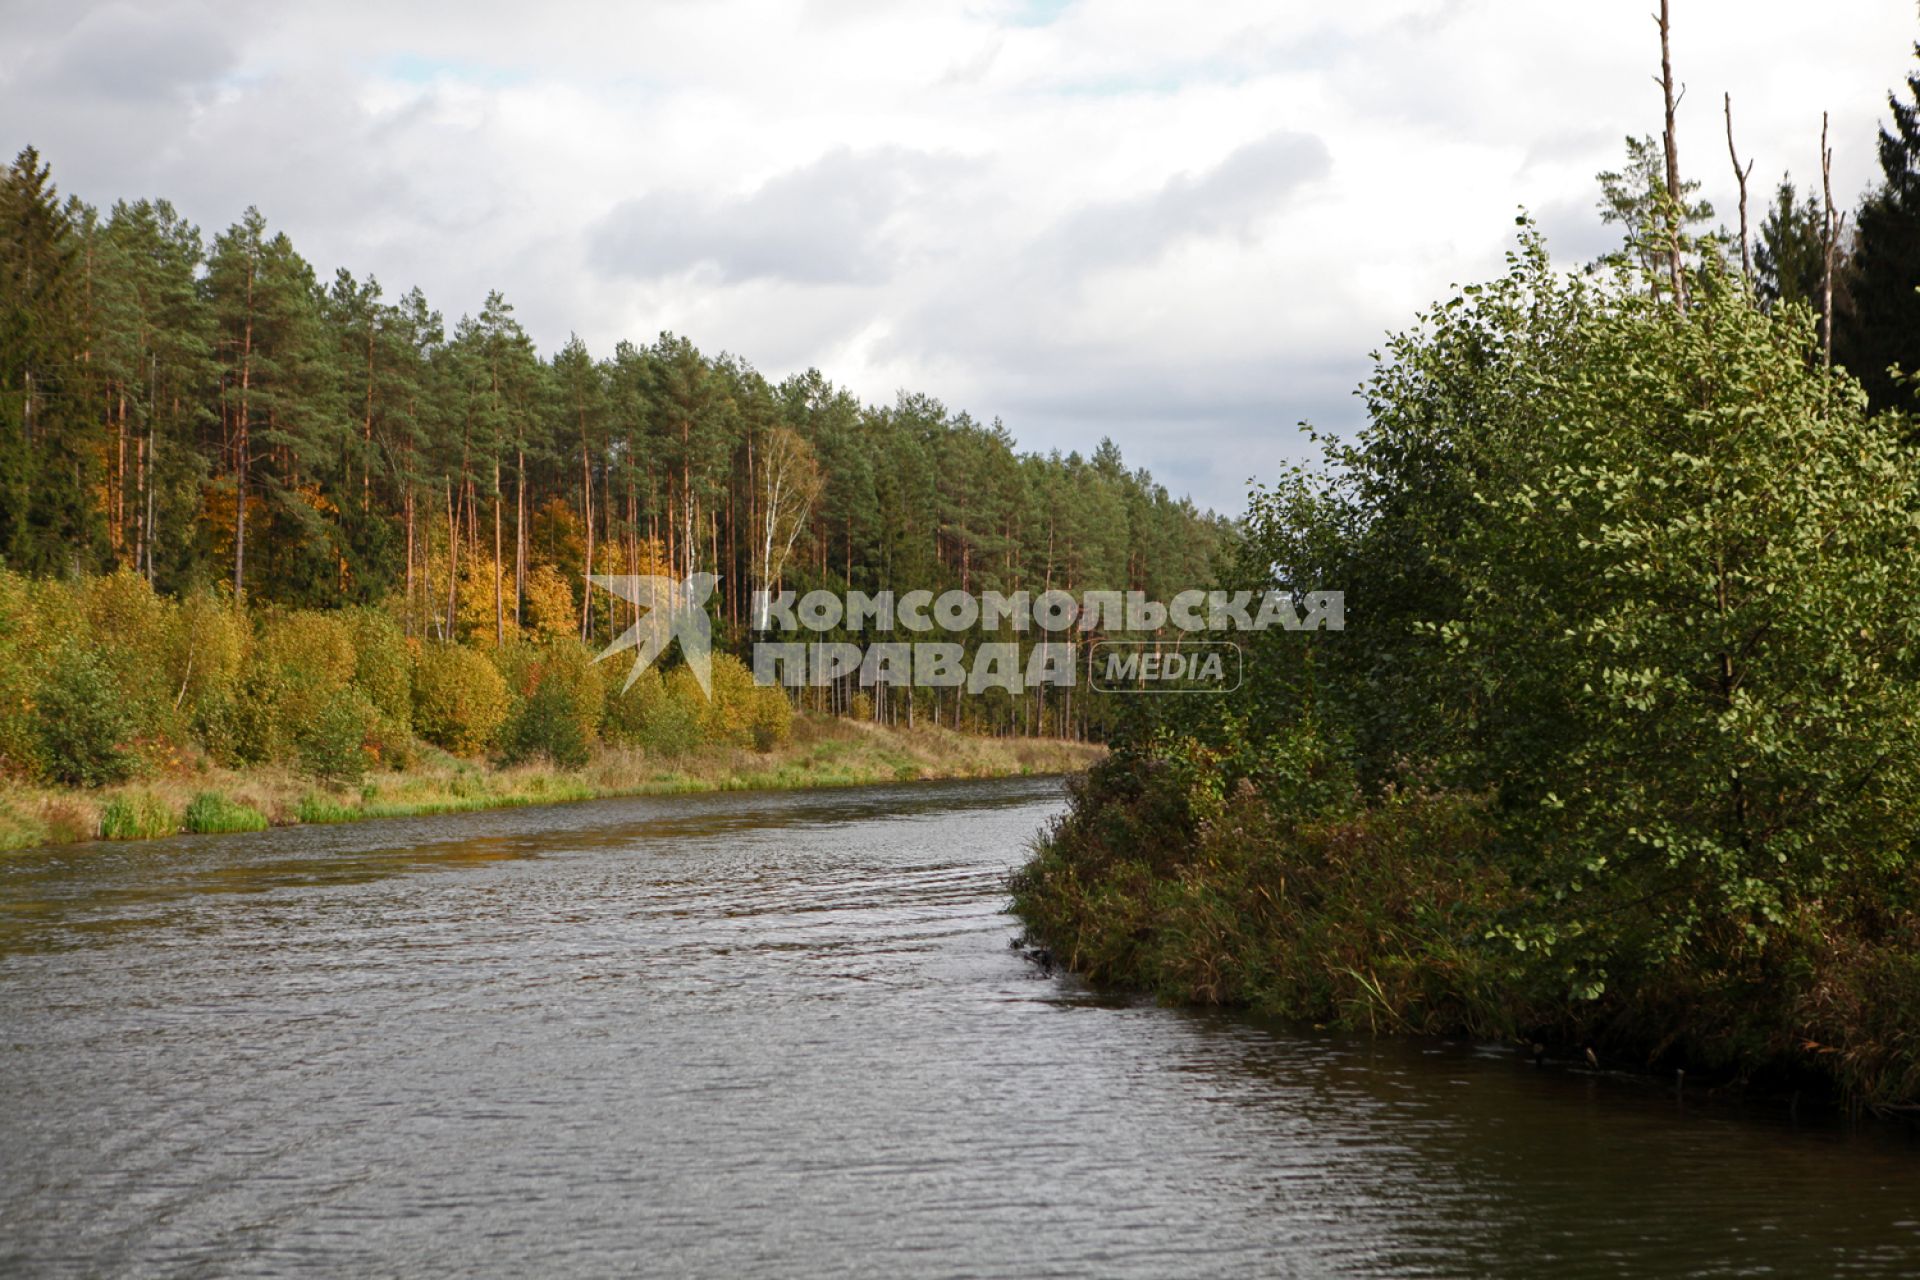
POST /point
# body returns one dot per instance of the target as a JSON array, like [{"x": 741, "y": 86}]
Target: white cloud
[{"x": 1183, "y": 226}]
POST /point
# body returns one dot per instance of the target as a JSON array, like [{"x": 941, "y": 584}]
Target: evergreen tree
[
  {"x": 1883, "y": 327},
  {"x": 1790, "y": 258},
  {"x": 48, "y": 460},
  {"x": 1632, "y": 198}
]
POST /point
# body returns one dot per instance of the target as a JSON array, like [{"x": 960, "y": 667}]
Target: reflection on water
[{"x": 776, "y": 1035}]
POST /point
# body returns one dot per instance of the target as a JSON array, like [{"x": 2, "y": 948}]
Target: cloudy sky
[{"x": 1183, "y": 226}]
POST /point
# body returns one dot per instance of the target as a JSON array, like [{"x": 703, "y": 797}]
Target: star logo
[{"x": 673, "y": 610}]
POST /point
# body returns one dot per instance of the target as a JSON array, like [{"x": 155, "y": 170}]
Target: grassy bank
[{"x": 820, "y": 753}]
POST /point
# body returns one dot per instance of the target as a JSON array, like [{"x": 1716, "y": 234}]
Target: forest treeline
[
  {"x": 212, "y": 414},
  {"x": 1619, "y": 752}
]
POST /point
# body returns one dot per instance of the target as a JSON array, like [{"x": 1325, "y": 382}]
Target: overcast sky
[{"x": 1183, "y": 226}]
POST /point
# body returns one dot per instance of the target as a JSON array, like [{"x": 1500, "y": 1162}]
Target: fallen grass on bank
[{"x": 822, "y": 753}]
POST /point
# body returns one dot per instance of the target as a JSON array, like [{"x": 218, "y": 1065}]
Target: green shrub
[
  {"x": 383, "y": 669},
  {"x": 629, "y": 708},
  {"x": 332, "y": 745},
  {"x": 390, "y": 742},
  {"x": 459, "y": 699},
  {"x": 674, "y": 724},
  {"x": 216, "y": 724},
  {"x": 212, "y": 814},
  {"x": 770, "y": 717},
  {"x": 260, "y": 727},
  {"x": 546, "y": 724},
  {"x": 138, "y": 816},
  {"x": 562, "y": 661},
  {"x": 85, "y": 725},
  {"x": 298, "y": 665}
]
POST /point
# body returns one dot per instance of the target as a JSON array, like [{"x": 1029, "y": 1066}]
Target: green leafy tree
[{"x": 86, "y": 727}]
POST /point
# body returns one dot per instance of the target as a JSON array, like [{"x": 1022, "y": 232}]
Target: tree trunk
[
  {"x": 1740, "y": 175},
  {"x": 586, "y": 507},
  {"x": 499, "y": 577},
  {"x": 519, "y": 534},
  {"x": 407, "y": 503},
  {"x": 1674, "y": 194},
  {"x": 242, "y": 445},
  {"x": 1832, "y": 226},
  {"x": 453, "y": 560}
]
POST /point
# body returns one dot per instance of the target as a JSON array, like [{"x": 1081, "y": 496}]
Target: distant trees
[
  {"x": 790, "y": 484},
  {"x": 214, "y": 413},
  {"x": 1791, "y": 254},
  {"x": 1634, "y": 198},
  {"x": 1881, "y": 327}
]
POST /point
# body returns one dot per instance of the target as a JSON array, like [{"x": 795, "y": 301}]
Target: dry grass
[{"x": 822, "y": 753}]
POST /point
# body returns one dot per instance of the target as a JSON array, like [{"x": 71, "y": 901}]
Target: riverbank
[
  {"x": 822, "y": 752},
  {"x": 1398, "y": 918}
]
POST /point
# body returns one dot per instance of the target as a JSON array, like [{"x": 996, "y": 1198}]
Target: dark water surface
[{"x": 779, "y": 1035}]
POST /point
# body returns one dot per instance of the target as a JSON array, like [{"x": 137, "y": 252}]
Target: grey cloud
[
  {"x": 1574, "y": 231},
  {"x": 1226, "y": 200},
  {"x": 131, "y": 55},
  {"x": 827, "y": 223},
  {"x": 106, "y": 92}
]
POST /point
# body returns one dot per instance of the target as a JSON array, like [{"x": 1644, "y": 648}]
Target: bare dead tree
[
  {"x": 1740, "y": 175},
  {"x": 1674, "y": 195},
  {"x": 1832, "y": 226}
]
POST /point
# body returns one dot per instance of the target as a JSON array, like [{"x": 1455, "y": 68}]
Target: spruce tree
[{"x": 1883, "y": 327}]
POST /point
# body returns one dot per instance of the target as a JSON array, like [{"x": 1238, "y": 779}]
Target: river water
[{"x": 785, "y": 1035}]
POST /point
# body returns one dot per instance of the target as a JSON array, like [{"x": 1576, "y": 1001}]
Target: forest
[
  {"x": 1619, "y": 754},
  {"x": 210, "y": 415}
]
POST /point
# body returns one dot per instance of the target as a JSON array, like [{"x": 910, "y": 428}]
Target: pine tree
[
  {"x": 48, "y": 458},
  {"x": 283, "y": 422},
  {"x": 1633, "y": 197},
  {"x": 169, "y": 384},
  {"x": 1790, "y": 257}
]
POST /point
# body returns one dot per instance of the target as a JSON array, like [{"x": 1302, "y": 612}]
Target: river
[{"x": 784, "y": 1034}]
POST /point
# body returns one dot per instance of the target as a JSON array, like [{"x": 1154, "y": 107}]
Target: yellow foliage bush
[
  {"x": 382, "y": 666},
  {"x": 474, "y": 602},
  {"x": 728, "y": 716},
  {"x": 24, "y": 653},
  {"x": 551, "y": 611},
  {"x": 459, "y": 698},
  {"x": 130, "y": 628},
  {"x": 207, "y": 648}
]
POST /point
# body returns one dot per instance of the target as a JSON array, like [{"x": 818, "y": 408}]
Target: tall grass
[
  {"x": 315, "y": 808},
  {"x": 140, "y": 815},
  {"x": 212, "y": 814}
]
